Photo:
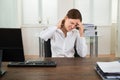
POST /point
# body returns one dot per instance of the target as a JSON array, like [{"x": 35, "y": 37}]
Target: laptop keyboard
[{"x": 32, "y": 64}]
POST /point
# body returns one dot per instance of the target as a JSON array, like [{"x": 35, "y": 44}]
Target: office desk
[{"x": 67, "y": 69}]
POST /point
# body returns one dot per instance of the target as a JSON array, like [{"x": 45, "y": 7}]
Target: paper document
[{"x": 109, "y": 67}]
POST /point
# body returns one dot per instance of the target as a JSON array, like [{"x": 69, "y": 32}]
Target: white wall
[
  {"x": 30, "y": 12},
  {"x": 102, "y": 12},
  {"x": 49, "y": 11},
  {"x": 30, "y": 39},
  {"x": 104, "y": 39},
  {"x": 63, "y": 7},
  {"x": 118, "y": 32},
  {"x": 97, "y": 12},
  {"x": 85, "y": 8},
  {"x": 9, "y": 13},
  {"x": 114, "y": 11}
]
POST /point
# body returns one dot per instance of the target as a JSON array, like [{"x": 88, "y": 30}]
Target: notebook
[{"x": 2, "y": 72}]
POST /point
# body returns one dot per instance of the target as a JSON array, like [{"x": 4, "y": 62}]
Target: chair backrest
[{"x": 47, "y": 48}]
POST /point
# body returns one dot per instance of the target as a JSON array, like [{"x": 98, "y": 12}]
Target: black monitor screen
[{"x": 11, "y": 44}]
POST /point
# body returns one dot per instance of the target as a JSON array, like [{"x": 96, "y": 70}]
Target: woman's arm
[
  {"x": 81, "y": 46},
  {"x": 47, "y": 33}
]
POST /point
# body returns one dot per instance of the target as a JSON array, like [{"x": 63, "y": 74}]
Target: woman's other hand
[{"x": 81, "y": 28}]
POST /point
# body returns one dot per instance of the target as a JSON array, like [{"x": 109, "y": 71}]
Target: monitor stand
[{"x": 2, "y": 72}]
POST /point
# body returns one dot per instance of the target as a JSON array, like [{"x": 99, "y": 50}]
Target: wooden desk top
[{"x": 67, "y": 69}]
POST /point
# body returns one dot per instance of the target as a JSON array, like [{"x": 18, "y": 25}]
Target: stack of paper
[{"x": 108, "y": 70}]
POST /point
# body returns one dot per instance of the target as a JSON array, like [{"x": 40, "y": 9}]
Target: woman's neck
[{"x": 64, "y": 31}]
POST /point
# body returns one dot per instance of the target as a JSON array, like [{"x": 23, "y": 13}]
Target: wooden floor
[
  {"x": 103, "y": 55},
  {"x": 37, "y": 56},
  {"x": 110, "y": 55}
]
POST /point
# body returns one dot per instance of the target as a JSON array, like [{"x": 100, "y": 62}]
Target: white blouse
[{"x": 62, "y": 46}]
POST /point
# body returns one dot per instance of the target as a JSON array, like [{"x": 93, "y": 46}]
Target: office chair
[{"x": 47, "y": 49}]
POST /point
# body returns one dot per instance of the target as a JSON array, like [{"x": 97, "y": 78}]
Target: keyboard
[{"x": 32, "y": 64}]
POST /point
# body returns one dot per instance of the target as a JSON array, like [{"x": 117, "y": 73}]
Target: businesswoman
[{"x": 64, "y": 37}]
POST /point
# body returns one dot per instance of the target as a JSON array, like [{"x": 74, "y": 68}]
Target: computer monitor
[{"x": 11, "y": 44}]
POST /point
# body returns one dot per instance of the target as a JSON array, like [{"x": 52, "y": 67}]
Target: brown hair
[{"x": 73, "y": 14}]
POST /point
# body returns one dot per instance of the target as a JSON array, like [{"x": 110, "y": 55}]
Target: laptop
[{"x": 2, "y": 72}]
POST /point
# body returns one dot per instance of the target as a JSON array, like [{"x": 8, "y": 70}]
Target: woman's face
[{"x": 71, "y": 23}]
